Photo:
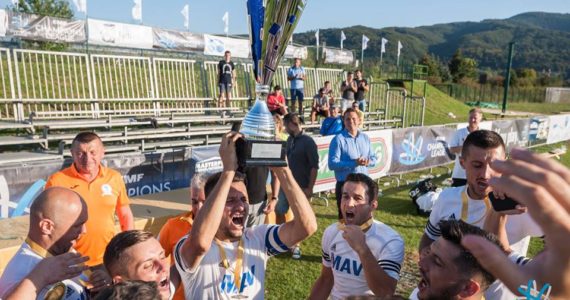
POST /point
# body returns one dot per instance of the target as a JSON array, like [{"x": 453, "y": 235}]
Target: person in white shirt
[
  {"x": 57, "y": 219},
  {"x": 361, "y": 256},
  {"x": 456, "y": 143},
  {"x": 471, "y": 204},
  {"x": 220, "y": 258},
  {"x": 137, "y": 255}
]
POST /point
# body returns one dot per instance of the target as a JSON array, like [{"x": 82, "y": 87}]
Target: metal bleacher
[{"x": 139, "y": 103}]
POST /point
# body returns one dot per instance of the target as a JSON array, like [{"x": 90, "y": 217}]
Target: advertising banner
[
  {"x": 119, "y": 34},
  {"x": 419, "y": 148},
  {"x": 177, "y": 40},
  {"x": 296, "y": 52},
  {"x": 205, "y": 159},
  {"x": 217, "y": 45},
  {"x": 559, "y": 128},
  {"x": 513, "y": 132},
  {"x": 538, "y": 130},
  {"x": 43, "y": 28},
  {"x": 337, "y": 56}
]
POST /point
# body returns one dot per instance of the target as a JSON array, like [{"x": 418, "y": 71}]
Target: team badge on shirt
[{"x": 106, "y": 190}]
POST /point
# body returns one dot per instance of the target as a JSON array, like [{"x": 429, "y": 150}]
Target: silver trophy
[{"x": 271, "y": 25}]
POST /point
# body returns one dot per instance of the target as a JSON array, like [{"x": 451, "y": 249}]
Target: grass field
[{"x": 292, "y": 279}]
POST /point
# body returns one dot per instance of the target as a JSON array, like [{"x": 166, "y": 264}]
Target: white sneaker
[{"x": 296, "y": 253}]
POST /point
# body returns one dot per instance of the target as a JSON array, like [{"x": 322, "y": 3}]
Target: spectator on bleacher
[
  {"x": 347, "y": 90},
  {"x": 280, "y": 132},
  {"x": 226, "y": 78},
  {"x": 362, "y": 89},
  {"x": 221, "y": 258},
  {"x": 470, "y": 203},
  {"x": 356, "y": 107},
  {"x": 350, "y": 151},
  {"x": 137, "y": 255},
  {"x": 175, "y": 228},
  {"x": 333, "y": 124},
  {"x": 541, "y": 184},
  {"x": 296, "y": 75},
  {"x": 360, "y": 255},
  {"x": 320, "y": 105},
  {"x": 329, "y": 92},
  {"x": 456, "y": 143},
  {"x": 303, "y": 158},
  {"x": 449, "y": 270},
  {"x": 57, "y": 220},
  {"x": 102, "y": 188},
  {"x": 276, "y": 102}
]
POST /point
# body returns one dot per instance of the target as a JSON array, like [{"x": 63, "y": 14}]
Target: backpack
[{"x": 420, "y": 189}]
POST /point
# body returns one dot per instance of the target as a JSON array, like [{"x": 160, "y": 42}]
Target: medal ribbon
[
  {"x": 39, "y": 250},
  {"x": 465, "y": 207},
  {"x": 364, "y": 227},
  {"x": 239, "y": 262}
]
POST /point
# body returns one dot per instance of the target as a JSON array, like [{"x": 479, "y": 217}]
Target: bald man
[{"x": 57, "y": 219}]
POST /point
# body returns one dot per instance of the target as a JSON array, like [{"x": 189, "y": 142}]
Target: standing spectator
[
  {"x": 175, "y": 228},
  {"x": 103, "y": 190},
  {"x": 456, "y": 144},
  {"x": 296, "y": 74},
  {"x": 356, "y": 107},
  {"x": 276, "y": 102},
  {"x": 226, "y": 78},
  {"x": 329, "y": 92},
  {"x": 320, "y": 105},
  {"x": 347, "y": 89},
  {"x": 256, "y": 184},
  {"x": 221, "y": 258},
  {"x": 363, "y": 87},
  {"x": 350, "y": 151},
  {"x": 57, "y": 220},
  {"x": 361, "y": 256},
  {"x": 333, "y": 124},
  {"x": 303, "y": 158}
]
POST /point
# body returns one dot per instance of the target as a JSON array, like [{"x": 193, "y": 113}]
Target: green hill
[{"x": 542, "y": 41}]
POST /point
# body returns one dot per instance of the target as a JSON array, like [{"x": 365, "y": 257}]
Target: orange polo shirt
[
  {"x": 103, "y": 195},
  {"x": 172, "y": 231}
]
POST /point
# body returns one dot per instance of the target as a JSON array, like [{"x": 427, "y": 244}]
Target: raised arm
[
  {"x": 208, "y": 219},
  {"x": 305, "y": 223}
]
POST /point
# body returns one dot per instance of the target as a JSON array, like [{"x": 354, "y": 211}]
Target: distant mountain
[{"x": 542, "y": 41}]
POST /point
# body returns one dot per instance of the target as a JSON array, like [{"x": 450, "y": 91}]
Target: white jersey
[
  {"x": 23, "y": 262},
  {"x": 385, "y": 244},
  {"x": 210, "y": 280},
  {"x": 457, "y": 141},
  {"x": 519, "y": 227}
]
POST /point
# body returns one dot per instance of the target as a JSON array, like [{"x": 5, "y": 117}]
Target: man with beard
[
  {"x": 448, "y": 270},
  {"x": 221, "y": 258},
  {"x": 361, "y": 256},
  {"x": 137, "y": 255},
  {"x": 471, "y": 204}
]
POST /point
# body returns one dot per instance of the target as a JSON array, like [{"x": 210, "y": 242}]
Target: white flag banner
[
  {"x": 136, "y": 12},
  {"x": 119, "y": 34},
  {"x": 296, "y": 52},
  {"x": 365, "y": 41},
  {"x": 226, "y": 19},
  {"x": 317, "y": 37},
  {"x": 383, "y": 48},
  {"x": 186, "y": 14},
  {"x": 217, "y": 45},
  {"x": 342, "y": 38},
  {"x": 336, "y": 56},
  {"x": 399, "y": 48},
  {"x": 15, "y": 2},
  {"x": 81, "y": 6}
]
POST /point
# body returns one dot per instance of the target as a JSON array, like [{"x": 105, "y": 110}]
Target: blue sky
[{"x": 206, "y": 16}]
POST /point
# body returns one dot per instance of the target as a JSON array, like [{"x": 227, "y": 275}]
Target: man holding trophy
[{"x": 221, "y": 258}]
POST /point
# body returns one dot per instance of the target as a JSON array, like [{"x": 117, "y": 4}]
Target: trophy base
[{"x": 256, "y": 153}]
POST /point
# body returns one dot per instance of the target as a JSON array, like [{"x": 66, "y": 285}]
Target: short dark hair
[
  {"x": 453, "y": 231},
  {"x": 347, "y": 111},
  {"x": 293, "y": 118},
  {"x": 371, "y": 185},
  {"x": 131, "y": 290},
  {"x": 113, "y": 258},
  {"x": 350, "y": 73},
  {"x": 484, "y": 139},
  {"x": 227, "y": 51},
  {"x": 277, "y": 88},
  {"x": 212, "y": 180},
  {"x": 85, "y": 137}
]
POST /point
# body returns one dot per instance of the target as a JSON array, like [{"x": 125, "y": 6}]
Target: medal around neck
[{"x": 271, "y": 24}]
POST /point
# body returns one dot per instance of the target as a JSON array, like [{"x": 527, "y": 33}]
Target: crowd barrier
[{"x": 398, "y": 151}]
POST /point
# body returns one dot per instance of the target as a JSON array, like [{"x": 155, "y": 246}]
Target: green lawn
[{"x": 540, "y": 108}]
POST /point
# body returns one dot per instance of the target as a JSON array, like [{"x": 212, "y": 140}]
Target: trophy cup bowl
[{"x": 271, "y": 24}]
